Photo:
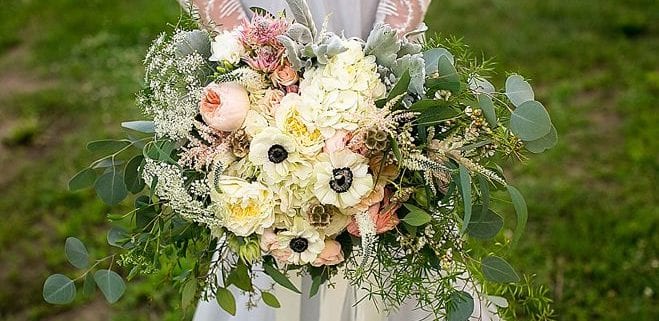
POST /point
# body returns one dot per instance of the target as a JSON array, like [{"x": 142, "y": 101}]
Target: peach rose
[
  {"x": 224, "y": 106},
  {"x": 383, "y": 215},
  {"x": 269, "y": 245},
  {"x": 284, "y": 75},
  {"x": 270, "y": 100},
  {"x": 330, "y": 255}
]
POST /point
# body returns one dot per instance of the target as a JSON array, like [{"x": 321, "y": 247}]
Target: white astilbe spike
[
  {"x": 367, "y": 230},
  {"x": 249, "y": 78},
  {"x": 419, "y": 162},
  {"x": 477, "y": 168}
]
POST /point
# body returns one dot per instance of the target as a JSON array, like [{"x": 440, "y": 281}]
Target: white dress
[{"x": 353, "y": 18}]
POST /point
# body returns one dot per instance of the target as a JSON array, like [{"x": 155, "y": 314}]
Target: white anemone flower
[
  {"x": 278, "y": 155},
  {"x": 342, "y": 178},
  {"x": 301, "y": 244}
]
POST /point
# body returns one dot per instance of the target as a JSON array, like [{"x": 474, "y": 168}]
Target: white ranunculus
[
  {"x": 243, "y": 208},
  {"x": 227, "y": 47},
  {"x": 292, "y": 120},
  {"x": 342, "y": 178}
]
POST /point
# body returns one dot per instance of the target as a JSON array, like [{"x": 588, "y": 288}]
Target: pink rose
[
  {"x": 337, "y": 142},
  {"x": 383, "y": 215},
  {"x": 284, "y": 75},
  {"x": 330, "y": 255},
  {"x": 224, "y": 106},
  {"x": 270, "y": 245}
]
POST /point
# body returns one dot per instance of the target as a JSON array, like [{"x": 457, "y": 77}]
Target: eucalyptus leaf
[
  {"x": 142, "y": 126},
  {"x": 518, "y": 90},
  {"x": 226, "y": 300},
  {"x": 485, "y": 223},
  {"x": 481, "y": 85},
  {"x": 193, "y": 41},
  {"x": 270, "y": 299},
  {"x": 487, "y": 106},
  {"x": 133, "y": 174},
  {"x": 59, "y": 289},
  {"x": 521, "y": 211},
  {"x": 530, "y": 121},
  {"x": 89, "y": 285},
  {"x": 431, "y": 58},
  {"x": 116, "y": 236},
  {"x": 498, "y": 270},
  {"x": 498, "y": 301},
  {"x": 111, "y": 284},
  {"x": 76, "y": 253},
  {"x": 460, "y": 306},
  {"x": 110, "y": 187},
  {"x": 465, "y": 189},
  {"x": 83, "y": 179},
  {"x": 107, "y": 146},
  {"x": 543, "y": 143},
  {"x": 416, "y": 216},
  {"x": 448, "y": 78},
  {"x": 279, "y": 277},
  {"x": 107, "y": 163},
  {"x": 400, "y": 87}
]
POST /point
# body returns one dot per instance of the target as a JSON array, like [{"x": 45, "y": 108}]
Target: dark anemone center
[
  {"x": 277, "y": 154},
  {"x": 342, "y": 179},
  {"x": 299, "y": 244}
]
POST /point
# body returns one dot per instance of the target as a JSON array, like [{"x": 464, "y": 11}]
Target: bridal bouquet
[{"x": 277, "y": 148}]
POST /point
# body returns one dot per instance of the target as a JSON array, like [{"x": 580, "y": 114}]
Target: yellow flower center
[
  {"x": 298, "y": 129},
  {"x": 249, "y": 210}
]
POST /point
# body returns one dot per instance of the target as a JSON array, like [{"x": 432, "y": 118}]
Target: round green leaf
[
  {"x": 543, "y": 143},
  {"x": 460, "y": 306},
  {"x": 111, "y": 284},
  {"x": 226, "y": 300},
  {"x": 497, "y": 269},
  {"x": 107, "y": 146},
  {"x": 530, "y": 121},
  {"x": 486, "y": 105},
  {"x": 59, "y": 289},
  {"x": 116, "y": 236},
  {"x": 142, "y": 126},
  {"x": 83, "y": 179},
  {"x": 110, "y": 187},
  {"x": 518, "y": 90},
  {"x": 270, "y": 299},
  {"x": 416, "y": 216},
  {"x": 431, "y": 59},
  {"x": 133, "y": 175},
  {"x": 89, "y": 286},
  {"x": 484, "y": 224},
  {"x": 76, "y": 253}
]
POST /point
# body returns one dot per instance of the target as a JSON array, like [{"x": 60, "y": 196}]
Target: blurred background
[{"x": 69, "y": 71}]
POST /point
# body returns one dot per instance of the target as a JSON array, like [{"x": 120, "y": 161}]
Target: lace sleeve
[
  {"x": 402, "y": 15},
  {"x": 224, "y": 14}
]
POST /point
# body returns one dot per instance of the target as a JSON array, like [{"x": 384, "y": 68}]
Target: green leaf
[
  {"x": 416, "y": 216},
  {"x": 188, "y": 293},
  {"x": 226, "y": 300},
  {"x": 83, "y": 179},
  {"x": 59, "y": 289},
  {"x": 448, "y": 76},
  {"x": 486, "y": 105},
  {"x": 279, "y": 277},
  {"x": 107, "y": 146},
  {"x": 396, "y": 150},
  {"x": 485, "y": 223},
  {"x": 142, "y": 126},
  {"x": 107, "y": 163},
  {"x": 89, "y": 286},
  {"x": 315, "y": 285},
  {"x": 133, "y": 174},
  {"x": 497, "y": 269},
  {"x": 110, "y": 187},
  {"x": 116, "y": 236},
  {"x": 518, "y": 90},
  {"x": 76, "y": 253},
  {"x": 460, "y": 306},
  {"x": 239, "y": 277},
  {"x": 401, "y": 86},
  {"x": 543, "y": 143},
  {"x": 521, "y": 212},
  {"x": 465, "y": 188},
  {"x": 111, "y": 284},
  {"x": 270, "y": 299},
  {"x": 530, "y": 121}
]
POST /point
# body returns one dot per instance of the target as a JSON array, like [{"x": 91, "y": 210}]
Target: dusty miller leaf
[{"x": 383, "y": 44}]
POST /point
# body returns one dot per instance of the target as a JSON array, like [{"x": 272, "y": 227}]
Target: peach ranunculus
[
  {"x": 224, "y": 106},
  {"x": 331, "y": 254},
  {"x": 337, "y": 142},
  {"x": 269, "y": 102},
  {"x": 284, "y": 75},
  {"x": 383, "y": 215}
]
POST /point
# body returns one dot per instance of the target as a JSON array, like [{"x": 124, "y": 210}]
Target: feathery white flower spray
[{"x": 367, "y": 231}]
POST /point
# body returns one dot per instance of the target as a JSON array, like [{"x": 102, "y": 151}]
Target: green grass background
[{"x": 69, "y": 71}]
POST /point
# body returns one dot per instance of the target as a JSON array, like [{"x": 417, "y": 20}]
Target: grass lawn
[{"x": 69, "y": 71}]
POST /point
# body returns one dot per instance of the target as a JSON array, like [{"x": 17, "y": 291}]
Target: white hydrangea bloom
[{"x": 227, "y": 47}]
